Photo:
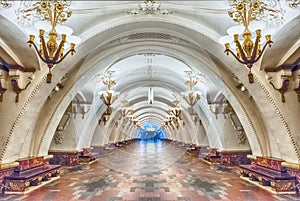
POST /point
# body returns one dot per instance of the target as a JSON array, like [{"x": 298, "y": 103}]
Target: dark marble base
[
  {"x": 86, "y": 156},
  {"x": 29, "y": 172},
  {"x": 3, "y": 173},
  {"x": 269, "y": 172},
  {"x": 234, "y": 158},
  {"x": 64, "y": 158}
]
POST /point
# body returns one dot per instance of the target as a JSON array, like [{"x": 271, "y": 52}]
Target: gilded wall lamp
[
  {"x": 54, "y": 12},
  {"x": 175, "y": 111},
  {"x": 245, "y": 12},
  {"x": 190, "y": 96}
]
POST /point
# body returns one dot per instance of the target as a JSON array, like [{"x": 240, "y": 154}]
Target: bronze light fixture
[
  {"x": 247, "y": 51},
  {"x": 190, "y": 96},
  {"x": 54, "y": 12},
  {"x": 109, "y": 96}
]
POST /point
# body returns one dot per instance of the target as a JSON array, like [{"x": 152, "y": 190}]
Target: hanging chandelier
[
  {"x": 176, "y": 111},
  {"x": 125, "y": 111},
  {"x": 190, "y": 96},
  {"x": 249, "y": 13},
  {"x": 51, "y": 13},
  {"x": 109, "y": 96}
]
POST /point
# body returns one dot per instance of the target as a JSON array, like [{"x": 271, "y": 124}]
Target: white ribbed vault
[{"x": 112, "y": 40}]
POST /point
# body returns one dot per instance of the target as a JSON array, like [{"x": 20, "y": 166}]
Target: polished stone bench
[
  {"x": 277, "y": 181},
  {"x": 211, "y": 157},
  {"x": 20, "y": 179},
  {"x": 86, "y": 156}
]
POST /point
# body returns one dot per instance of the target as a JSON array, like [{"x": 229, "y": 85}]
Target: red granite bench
[
  {"x": 20, "y": 180},
  {"x": 278, "y": 180}
]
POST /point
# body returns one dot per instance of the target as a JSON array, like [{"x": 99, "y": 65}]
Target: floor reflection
[{"x": 148, "y": 171}]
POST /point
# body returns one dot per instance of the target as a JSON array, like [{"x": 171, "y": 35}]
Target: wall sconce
[
  {"x": 50, "y": 13},
  {"x": 81, "y": 108},
  {"x": 2, "y": 82},
  {"x": 19, "y": 77},
  {"x": 296, "y": 76},
  {"x": 279, "y": 78},
  {"x": 220, "y": 107},
  {"x": 244, "y": 12}
]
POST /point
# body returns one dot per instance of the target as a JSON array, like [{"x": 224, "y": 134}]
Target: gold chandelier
[
  {"x": 176, "y": 111},
  {"x": 190, "y": 96},
  {"x": 244, "y": 12},
  {"x": 54, "y": 12},
  {"x": 124, "y": 111},
  {"x": 109, "y": 96}
]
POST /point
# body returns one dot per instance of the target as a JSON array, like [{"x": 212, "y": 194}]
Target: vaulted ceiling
[{"x": 154, "y": 51}]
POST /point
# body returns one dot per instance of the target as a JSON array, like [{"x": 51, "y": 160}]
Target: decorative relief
[
  {"x": 147, "y": 35},
  {"x": 241, "y": 136},
  {"x": 58, "y": 137},
  {"x": 30, "y": 162},
  {"x": 269, "y": 162},
  {"x": 149, "y": 7},
  {"x": 17, "y": 186},
  {"x": 285, "y": 186}
]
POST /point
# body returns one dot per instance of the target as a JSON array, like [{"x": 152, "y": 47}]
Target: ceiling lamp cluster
[
  {"x": 125, "y": 111},
  {"x": 51, "y": 14},
  {"x": 109, "y": 96},
  {"x": 190, "y": 96},
  {"x": 245, "y": 12},
  {"x": 173, "y": 115},
  {"x": 135, "y": 121}
]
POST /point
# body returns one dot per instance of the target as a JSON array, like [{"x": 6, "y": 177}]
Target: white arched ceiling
[{"x": 185, "y": 40}]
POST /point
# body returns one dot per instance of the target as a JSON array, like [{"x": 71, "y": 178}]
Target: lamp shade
[
  {"x": 62, "y": 29},
  {"x": 31, "y": 31},
  {"x": 73, "y": 39},
  {"x": 238, "y": 29},
  {"x": 226, "y": 39},
  {"x": 45, "y": 25},
  {"x": 254, "y": 25}
]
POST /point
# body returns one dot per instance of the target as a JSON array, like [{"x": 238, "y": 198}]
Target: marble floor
[{"x": 148, "y": 171}]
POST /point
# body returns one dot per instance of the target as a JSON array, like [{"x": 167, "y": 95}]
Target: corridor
[{"x": 149, "y": 171}]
